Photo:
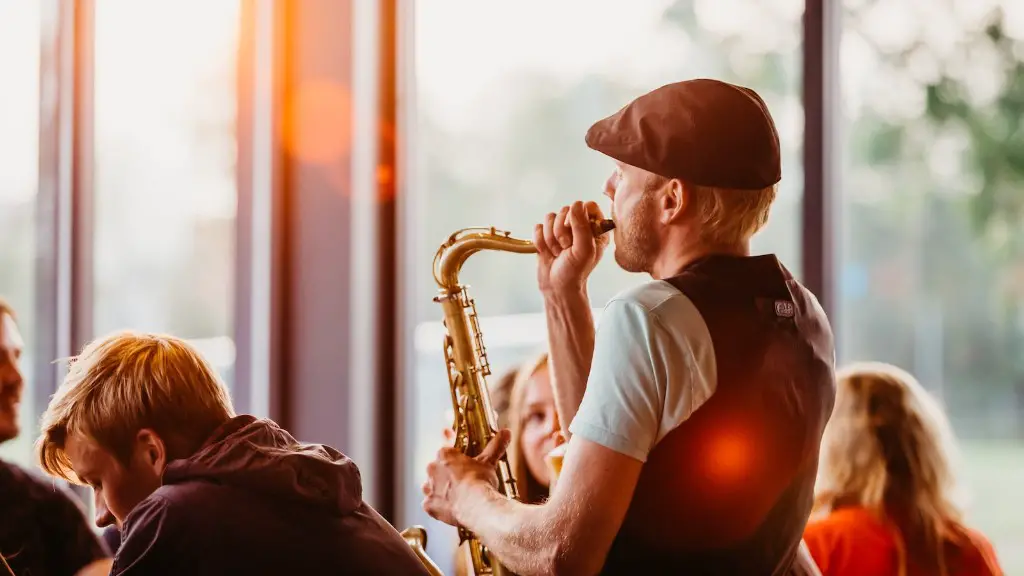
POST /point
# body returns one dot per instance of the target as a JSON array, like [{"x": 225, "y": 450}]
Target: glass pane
[
  {"x": 932, "y": 268},
  {"x": 165, "y": 170},
  {"x": 19, "y": 171},
  {"x": 502, "y": 108}
]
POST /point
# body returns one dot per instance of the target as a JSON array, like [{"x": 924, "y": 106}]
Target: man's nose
[
  {"x": 609, "y": 186},
  {"x": 10, "y": 377},
  {"x": 103, "y": 516}
]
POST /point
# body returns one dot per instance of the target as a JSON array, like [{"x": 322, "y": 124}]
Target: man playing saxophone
[{"x": 694, "y": 413}]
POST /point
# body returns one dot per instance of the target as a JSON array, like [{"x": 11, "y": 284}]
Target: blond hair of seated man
[{"x": 146, "y": 422}]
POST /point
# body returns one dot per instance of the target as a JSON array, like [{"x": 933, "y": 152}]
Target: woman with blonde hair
[
  {"x": 535, "y": 428},
  {"x": 886, "y": 482}
]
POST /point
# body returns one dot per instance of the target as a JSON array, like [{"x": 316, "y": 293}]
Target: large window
[
  {"x": 165, "y": 149},
  {"x": 932, "y": 266},
  {"x": 504, "y": 98},
  {"x": 19, "y": 172}
]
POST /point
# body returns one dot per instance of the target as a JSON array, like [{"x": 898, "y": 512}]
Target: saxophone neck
[{"x": 464, "y": 243}]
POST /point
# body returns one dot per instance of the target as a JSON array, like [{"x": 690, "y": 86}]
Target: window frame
[{"x": 63, "y": 279}]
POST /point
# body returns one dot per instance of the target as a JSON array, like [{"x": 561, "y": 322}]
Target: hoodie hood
[{"x": 259, "y": 456}]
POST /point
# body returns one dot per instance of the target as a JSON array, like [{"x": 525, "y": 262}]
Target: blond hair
[
  {"x": 725, "y": 216},
  {"x": 888, "y": 448},
  {"x": 531, "y": 491},
  {"x": 500, "y": 391},
  {"x": 729, "y": 216},
  {"x": 126, "y": 382}
]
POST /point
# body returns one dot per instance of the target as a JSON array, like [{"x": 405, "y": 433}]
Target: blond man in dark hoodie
[{"x": 145, "y": 421}]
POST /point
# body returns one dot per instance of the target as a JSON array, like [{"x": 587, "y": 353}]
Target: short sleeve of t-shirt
[{"x": 654, "y": 365}]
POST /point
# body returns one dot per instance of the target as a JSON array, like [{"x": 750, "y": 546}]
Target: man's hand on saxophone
[
  {"x": 567, "y": 248},
  {"x": 567, "y": 252},
  {"x": 453, "y": 473}
]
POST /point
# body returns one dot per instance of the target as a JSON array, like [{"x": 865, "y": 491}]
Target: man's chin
[{"x": 625, "y": 262}]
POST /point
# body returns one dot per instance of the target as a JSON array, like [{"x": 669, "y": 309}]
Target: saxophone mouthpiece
[{"x": 602, "y": 226}]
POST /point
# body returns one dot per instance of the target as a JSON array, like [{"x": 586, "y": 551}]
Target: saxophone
[{"x": 467, "y": 365}]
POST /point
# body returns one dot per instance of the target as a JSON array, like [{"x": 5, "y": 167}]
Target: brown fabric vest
[{"x": 729, "y": 491}]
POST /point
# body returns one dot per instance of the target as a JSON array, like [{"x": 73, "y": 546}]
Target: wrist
[
  {"x": 468, "y": 496},
  {"x": 565, "y": 294}
]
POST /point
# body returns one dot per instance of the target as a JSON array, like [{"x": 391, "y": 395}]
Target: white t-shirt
[{"x": 654, "y": 365}]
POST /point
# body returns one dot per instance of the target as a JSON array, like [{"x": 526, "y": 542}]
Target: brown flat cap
[{"x": 705, "y": 132}]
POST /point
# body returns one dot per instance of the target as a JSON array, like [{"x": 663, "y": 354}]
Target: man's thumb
[{"x": 496, "y": 447}]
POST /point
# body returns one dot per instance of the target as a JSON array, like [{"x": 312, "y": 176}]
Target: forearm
[
  {"x": 570, "y": 326},
  {"x": 520, "y": 535}
]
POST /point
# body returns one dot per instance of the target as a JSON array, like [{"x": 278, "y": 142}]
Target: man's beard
[{"x": 635, "y": 242}]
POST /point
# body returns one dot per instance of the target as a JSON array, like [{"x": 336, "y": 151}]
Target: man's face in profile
[
  {"x": 634, "y": 210},
  {"x": 11, "y": 384}
]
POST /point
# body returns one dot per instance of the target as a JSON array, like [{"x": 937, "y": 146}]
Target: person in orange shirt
[{"x": 885, "y": 484}]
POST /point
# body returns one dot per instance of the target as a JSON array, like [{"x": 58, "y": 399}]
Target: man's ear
[
  {"x": 674, "y": 201},
  {"x": 151, "y": 450}
]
